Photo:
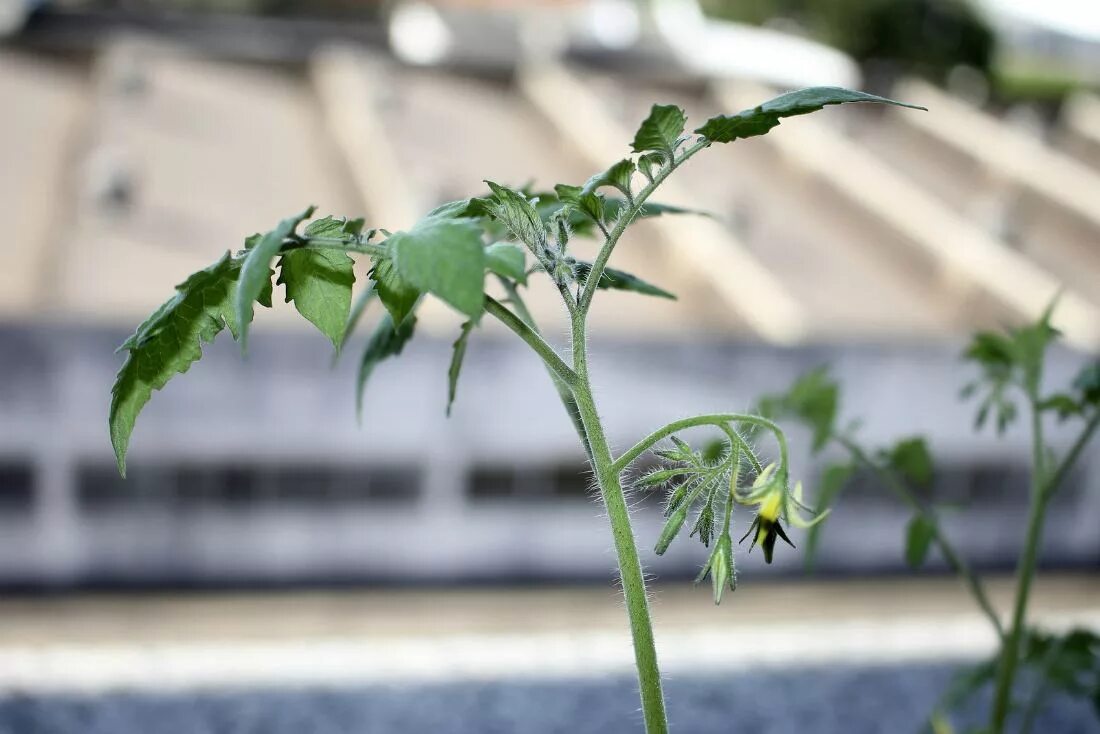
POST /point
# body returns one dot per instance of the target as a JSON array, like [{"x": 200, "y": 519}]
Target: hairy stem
[
  {"x": 553, "y": 362},
  {"x": 1010, "y": 649},
  {"x": 722, "y": 420},
  {"x": 335, "y": 243},
  {"x": 625, "y": 219},
  {"x": 565, "y": 393},
  {"x": 957, "y": 563},
  {"x": 630, "y": 567}
]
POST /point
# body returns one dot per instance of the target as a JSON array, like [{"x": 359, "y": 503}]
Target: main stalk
[{"x": 630, "y": 567}]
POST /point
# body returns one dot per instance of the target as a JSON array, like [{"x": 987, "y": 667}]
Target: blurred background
[{"x": 453, "y": 574}]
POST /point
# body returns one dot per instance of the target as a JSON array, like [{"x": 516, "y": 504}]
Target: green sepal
[{"x": 671, "y": 529}]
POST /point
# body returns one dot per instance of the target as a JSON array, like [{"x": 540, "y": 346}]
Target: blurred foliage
[{"x": 925, "y": 37}]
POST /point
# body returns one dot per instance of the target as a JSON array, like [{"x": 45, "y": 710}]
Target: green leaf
[
  {"x": 444, "y": 257},
  {"x": 589, "y": 203},
  {"x": 397, "y": 295},
  {"x": 518, "y": 214},
  {"x": 456, "y": 363},
  {"x": 612, "y": 206},
  {"x": 918, "y": 539},
  {"x": 813, "y": 398},
  {"x": 650, "y": 163},
  {"x": 507, "y": 260},
  {"x": 660, "y": 131},
  {"x": 1031, "y": 343},
  {"x": 1063, "y": 405},
  {"x": 911, "y": 459},
  {"x": 619, "y": 280},
  {"x": 833, "y": 481},
  {"x": 386, "y": 341},
  {"x": 991, "y": 349},
  {"x": 356, "y": 314},
  {"x": 337, "y": 227},
  {"x": 256, "y": 271},
  {"x": 762, "y": 118},
  {"x": 319, "y": 283},
  {"x": 168, "y": 343},
  {"x": 617, "y": 176},
  {"x": 1087, "y": 383}
]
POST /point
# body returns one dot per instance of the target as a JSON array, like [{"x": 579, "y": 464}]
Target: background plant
[
  {"x": 507, "y": 235},
  {"x": 1010, "y": 366}
]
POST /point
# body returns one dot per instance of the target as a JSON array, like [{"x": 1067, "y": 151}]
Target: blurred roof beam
[
  {"x": 964, "y": 253},
  {"x": 42, "y": 127},
  {"x": 1008, "y": 153},
  {"x": 343, "y": 79},
  {"x": 713, "y": 252},
  {"x": 1081, "y": 118}
]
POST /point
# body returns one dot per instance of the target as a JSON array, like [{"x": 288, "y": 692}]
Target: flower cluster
[{"x": 708, "y": 483}]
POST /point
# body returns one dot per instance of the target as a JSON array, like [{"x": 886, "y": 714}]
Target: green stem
[
  {"x": 627, "y": 217},
  {"x": 553, "y": 362},
  {"x": 711, "y": 419},
  {"x": 630, "y": 567},
  {"x": 335, "y": 243},
  {"x": 1010, "y": 649},
  {"x": 947, "y": 550},
  {"x": 1059, "y": 474},
  {"x": 564, "y": 391}
]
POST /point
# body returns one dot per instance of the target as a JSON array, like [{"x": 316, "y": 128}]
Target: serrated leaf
[
  {"x": 918, "y": 539},
  {"x": 444, "y": 257},
  {"x": 588, "y": 203},
  {"x": 762, "y": 118},
  {"x": 319, "y": 282},
  {"x": 336, "y": 227},
  {"x": 457, "y": 356},
  {"x": 396, "y": 294},
  {"x": 622, "y": 281},
  {"x": 618, "y": 176},
  {"x": 660, "y": 131},
  {"x": 386, "y": 341},
  {"x": 650, "y": 163},
  {"x": 169, "y": 342},
  {"x": 256, "y": 271},
  {"x": 911, "y": 459},
  {"x": 518, "y": 214},
  {"x": 506, "y": 260}
]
